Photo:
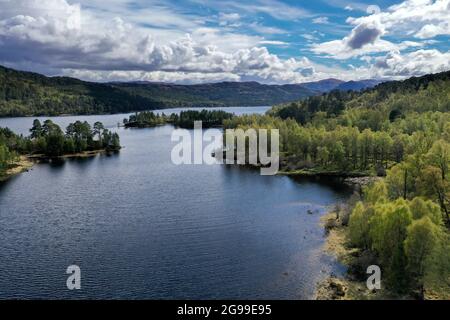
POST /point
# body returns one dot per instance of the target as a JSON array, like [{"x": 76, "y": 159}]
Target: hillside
[
  {"x": 388, "y": 100},
  {"x": 393, "y": 141},
  {"x": 357, "y": 85},
  {"x": 217, "y": 94},
  {"x": 31, "y": 94},
  {"x": 328, "y": 85},
  {"x": 26, "y": 94}
]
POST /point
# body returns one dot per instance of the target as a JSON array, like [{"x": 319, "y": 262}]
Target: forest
[
  {"x": 47, "y": 139},
  {"x": 31, "y": 94},
  {"x": 399, "y": 131}
]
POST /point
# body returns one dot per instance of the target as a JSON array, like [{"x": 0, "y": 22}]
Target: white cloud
[
  {"x": 99, "y": 49},
  {"x": 412, "y": 16},
  {"x": 320, "y": 20},
  {"x": 273, "y": 43},
  {"x": 274, "y": 8},
  {"x": 431, "y": 30},
  {"x": 156, "y": 43},
  {"x": 396, "y": 65},
  {"x": 229, "y": 19},
  {"x": 341, "y": 49},
  {"x": 419, "y": 18}
]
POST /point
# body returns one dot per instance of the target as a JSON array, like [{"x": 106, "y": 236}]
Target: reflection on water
[{"x": 141, "y": 227}]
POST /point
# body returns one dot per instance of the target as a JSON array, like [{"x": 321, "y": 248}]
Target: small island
[
  {"x": 48, "y": 141},
  {"x": 186, "y": 119}
]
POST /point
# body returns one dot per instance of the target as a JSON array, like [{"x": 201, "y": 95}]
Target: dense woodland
[
  {"x": 48, "y": 139},
  {"x": 400, "y": 130},
  {"x": 32, "y": 94}
]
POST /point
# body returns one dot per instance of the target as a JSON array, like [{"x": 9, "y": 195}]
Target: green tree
[{"x": 421, "y": 242}]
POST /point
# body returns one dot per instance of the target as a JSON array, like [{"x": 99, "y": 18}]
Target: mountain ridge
[{"x": 24, "y": 93}]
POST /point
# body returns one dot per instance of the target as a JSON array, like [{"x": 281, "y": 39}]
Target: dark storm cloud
[{"x": 362, "y": 35}]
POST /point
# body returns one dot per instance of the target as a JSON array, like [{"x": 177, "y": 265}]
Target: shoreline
[
  {"x": 23, "y": 164},
  {"x": 26, "y": 162},
  {"x": 352, "y": 284},
  {"x": 83, "y": 154},
  {"x": 338, "y": 287},
  {"x": 125, "y": 113}
]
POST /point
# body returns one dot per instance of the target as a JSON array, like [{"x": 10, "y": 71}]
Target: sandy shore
[{"x": 21, "y": 165}]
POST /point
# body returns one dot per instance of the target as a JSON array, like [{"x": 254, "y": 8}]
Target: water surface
[{"x": 141, "y": 227}]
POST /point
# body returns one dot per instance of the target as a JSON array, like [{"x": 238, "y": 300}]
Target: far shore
[{"x": 119, "y": 113}]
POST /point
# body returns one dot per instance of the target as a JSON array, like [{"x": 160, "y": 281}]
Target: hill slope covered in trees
[
  {"x": 31, "y": 94},
  {"x": 399, "y": 131}
]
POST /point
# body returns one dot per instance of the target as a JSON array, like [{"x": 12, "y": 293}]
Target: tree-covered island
[
  {"x": 209, "y": 118},
  {"x": 48, "y": 140}
]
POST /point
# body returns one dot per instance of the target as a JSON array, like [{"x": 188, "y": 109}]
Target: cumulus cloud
[
  {"x": 396, "y": 65},
  {"x": 101, "y": 50},
  {"x": 60, "y": 37},
  {"x": 412, "y": 16},
  {"x": 342, "y": 49},
  {"x": 431, "y": 30},
  {"x": 422, "y": 19}
]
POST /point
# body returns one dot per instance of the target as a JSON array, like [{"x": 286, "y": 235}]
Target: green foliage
[
  {"x": 359, "y": 226},
  {"x": 30, "y": 94},
  {"x": 48, "y": 139},
  {"x": 145, "y": 119},
  {"x": 397, "y": 129},
  {"x": 209, "y": 118},
  {"x": 421, "y": 243},
  {"x": 26, "y": 94}
]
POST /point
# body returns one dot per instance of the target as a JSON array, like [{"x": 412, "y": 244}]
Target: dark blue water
[{"x": 141, "y": 227}]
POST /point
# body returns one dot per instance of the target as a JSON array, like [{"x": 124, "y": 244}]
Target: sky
[{"x": 195, "y": 41}]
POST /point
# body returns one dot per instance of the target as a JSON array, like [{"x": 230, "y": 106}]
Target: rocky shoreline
[{"x": 348, "y": 287}]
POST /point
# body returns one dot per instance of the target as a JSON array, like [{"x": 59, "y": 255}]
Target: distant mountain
[
  {"x": 32, "y": 94},
  {"x": 216, "y": 94},
  {"x": 322, "y": 85},
  {"x": 328, "y": 85},
  {"x": 358, "y": 85},
  {"x": 396, "y": 98}
]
